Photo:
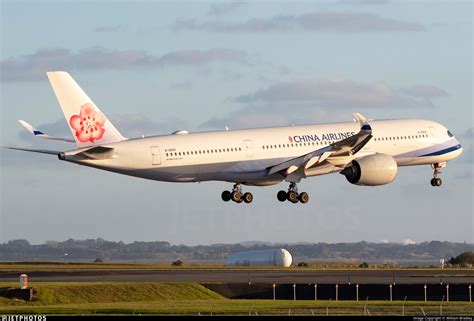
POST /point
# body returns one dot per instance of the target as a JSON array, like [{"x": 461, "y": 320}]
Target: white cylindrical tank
[
  {"x": 23, "y": 281},
  {"x": 274, "y": 257}
]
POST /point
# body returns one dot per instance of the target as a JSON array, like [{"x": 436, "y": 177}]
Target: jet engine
[{"x": 372, "y": 170}]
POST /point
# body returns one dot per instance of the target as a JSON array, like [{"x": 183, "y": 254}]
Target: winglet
[
  {"x": 38, "y": 133},
  {"x": 364, "y": 124},
  {"x": 30, "y": 128}
]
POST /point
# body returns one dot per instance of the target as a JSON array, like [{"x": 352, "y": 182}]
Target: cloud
[
  {"x": 33, "y": 67},
  {"x": 426, "y": 91},
  {"x": 181, "y": 85},
  {"x": 135, "y": 125},
  {"x": 201, "y": 57},
  {"x": 316, "y": 101},
  {"x": 219, "y": 9},
  {"x": 313, "y": 21},
  {"x": 363, "y": 2},
  {"x": 274, "y": 115},
  {"x": 109, "y": 28},
  {"x": 343, "y": 93}
]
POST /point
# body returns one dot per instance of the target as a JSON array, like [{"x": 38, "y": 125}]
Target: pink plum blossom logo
[
  {"x": 290, "y": 139},
  {"x": 88, "y": 124}
]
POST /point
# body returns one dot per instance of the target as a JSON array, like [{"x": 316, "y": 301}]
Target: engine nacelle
[{"x": 372, "y": 170}]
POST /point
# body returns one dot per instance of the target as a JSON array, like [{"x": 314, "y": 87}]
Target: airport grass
[
  {"x": 163, "y": 298},
  {"x": 57, "y": 293},
  {"x": 249, "y": 307}
]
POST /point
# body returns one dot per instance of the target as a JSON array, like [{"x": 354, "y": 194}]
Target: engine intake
[{"x": 372, "y": 170}]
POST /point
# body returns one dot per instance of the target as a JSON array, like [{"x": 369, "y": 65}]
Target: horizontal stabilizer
[{"x": 41, "y": 151}]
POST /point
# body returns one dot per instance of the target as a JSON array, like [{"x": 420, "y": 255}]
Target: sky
[{"x": 154, "y": 67}]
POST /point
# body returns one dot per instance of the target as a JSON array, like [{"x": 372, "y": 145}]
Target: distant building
[{"x": 274, "y": 257}]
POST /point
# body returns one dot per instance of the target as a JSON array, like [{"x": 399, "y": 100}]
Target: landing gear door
[
  {"x": 248, "y": 148},
  {"x": 155, "y": 155}
]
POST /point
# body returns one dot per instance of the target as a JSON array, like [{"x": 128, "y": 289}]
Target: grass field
[
  {"x": 58, "y": 293},
  {"x": 128, "y": 298}
]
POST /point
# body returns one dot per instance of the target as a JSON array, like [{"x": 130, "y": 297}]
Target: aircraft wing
[
  {"x": 346, "y": 147},
  {"x": 38, "y": 133}
]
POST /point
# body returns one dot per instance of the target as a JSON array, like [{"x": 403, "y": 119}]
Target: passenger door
[
  {"x": 155, "y": 155},
  {"x": 248, "y": 148}
]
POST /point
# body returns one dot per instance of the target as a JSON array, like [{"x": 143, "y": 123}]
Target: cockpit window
[{"x": 449, "y": 134}]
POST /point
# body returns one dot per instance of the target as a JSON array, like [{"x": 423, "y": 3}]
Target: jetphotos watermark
[{"x": 23, "y": 318}]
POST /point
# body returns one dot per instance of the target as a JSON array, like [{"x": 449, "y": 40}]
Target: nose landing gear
[
  {"x": 292, "y": 195},
  {"x": 436, "y": 181},
  {"x": 236, "y": 195}
]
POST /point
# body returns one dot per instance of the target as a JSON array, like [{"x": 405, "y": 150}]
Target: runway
[{"x": 255, "y": 276}]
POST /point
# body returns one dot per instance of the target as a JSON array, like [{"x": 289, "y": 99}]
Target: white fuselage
[{"x": 244, "y": 155}]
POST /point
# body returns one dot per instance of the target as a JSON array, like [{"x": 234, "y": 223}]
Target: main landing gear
[
  {"x": 436, "y": 181},
  {"x": 292, "y": 195},
  {"x": 236, "y": 195}
]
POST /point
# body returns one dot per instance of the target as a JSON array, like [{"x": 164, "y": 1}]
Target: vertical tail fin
[{"x": 87, "y": 123}]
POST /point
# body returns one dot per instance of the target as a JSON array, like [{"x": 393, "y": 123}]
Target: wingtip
[
  {"x": 364, "y": 123},
  {"x": 359, "y": 116},
  {"x": 26, "y": 125}
]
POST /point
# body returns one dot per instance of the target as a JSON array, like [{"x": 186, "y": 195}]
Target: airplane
[{"x": 367, "y": 153}]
